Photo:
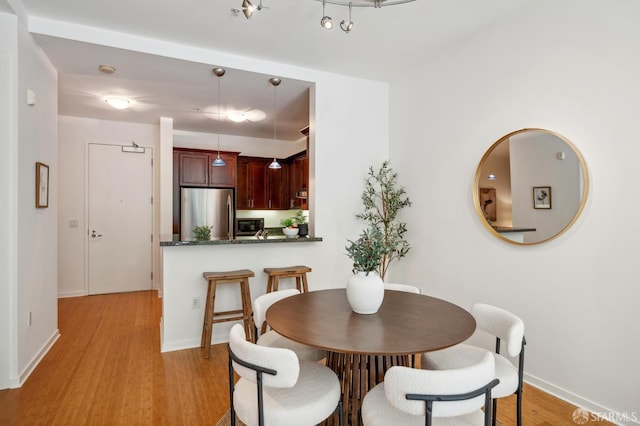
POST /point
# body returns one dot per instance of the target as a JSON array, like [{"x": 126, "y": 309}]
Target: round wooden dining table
[{"x": 360, "y": 348}]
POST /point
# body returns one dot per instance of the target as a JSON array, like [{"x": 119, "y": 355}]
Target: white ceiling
[{"x": 383, "y": 41}]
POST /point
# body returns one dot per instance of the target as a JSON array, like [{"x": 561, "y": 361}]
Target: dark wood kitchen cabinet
[
  {"x": 192, "y": 168},
  {"x": 261, "y": 188},
  {"x": 195, "y": 168},
  {"x": 299, "y": 181}
]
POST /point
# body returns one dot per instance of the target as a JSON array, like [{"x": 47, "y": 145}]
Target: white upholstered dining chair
[
  {"x": 507, "y": 328},
  {"x": 267, "y": 337},
  {"x": 276, "y": 388},
  {"x": 412, "y": 397}
]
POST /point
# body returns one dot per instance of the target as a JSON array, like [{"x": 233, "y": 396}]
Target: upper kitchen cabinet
[
  {"x": 299, "y": 181},
  {"x": 195, "y": 168},
  {"x": 259, "y": 187}
]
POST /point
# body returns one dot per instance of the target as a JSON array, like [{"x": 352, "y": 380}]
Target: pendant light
[
  {"x": 218, "y": 162},
  {"x": 275, "y": 82}
]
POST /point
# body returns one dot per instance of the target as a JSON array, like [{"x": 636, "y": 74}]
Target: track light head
[
  {"x": 326, "y": 22},
  {"x": 346, "y": 26},
  {"x": 248, "y": 8}
]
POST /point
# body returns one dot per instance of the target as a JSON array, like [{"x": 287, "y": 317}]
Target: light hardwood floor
[{"x": 107, "y": 369}]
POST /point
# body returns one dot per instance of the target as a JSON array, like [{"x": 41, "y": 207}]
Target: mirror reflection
[{"x": 530, "y": 186}]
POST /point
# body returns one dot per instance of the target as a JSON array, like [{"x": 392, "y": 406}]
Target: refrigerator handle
[{"x": 230, "y": 218}]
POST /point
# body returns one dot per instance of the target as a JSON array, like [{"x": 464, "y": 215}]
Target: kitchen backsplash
[{"x": 272, "y": 218}]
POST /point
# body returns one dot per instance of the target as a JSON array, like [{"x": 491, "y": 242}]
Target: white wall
[
  {"x": 8, "y": 193},
  {"x": 74, "y": 135},
  {"x": 571, "y": 67},
  {"x": 37, "y": 247}
]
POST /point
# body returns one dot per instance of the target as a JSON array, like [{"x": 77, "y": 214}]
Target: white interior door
[{"x": 120, "y": 220}]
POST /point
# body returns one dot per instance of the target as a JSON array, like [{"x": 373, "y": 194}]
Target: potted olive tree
[
  {"x": 382, "y": 200},
  {"x": 365, "y": 288}
]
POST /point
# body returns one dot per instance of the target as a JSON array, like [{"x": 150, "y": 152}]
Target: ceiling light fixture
[
  {"x": 275, "y": 82},
  {"x": 327, "y": 23},
  {"x": 248, "y": 8},
  {"x": 237, "y": 117},
  {"x": 107, "y": 69},
  {"x": 218, "y": 162},
  {"x": 118, "y": 103},
  {"x": 491, "y": 176},
  {"x": 347, "y": 26}
]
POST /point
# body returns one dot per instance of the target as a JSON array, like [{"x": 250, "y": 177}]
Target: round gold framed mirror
[{"x": 530, "y": 186}]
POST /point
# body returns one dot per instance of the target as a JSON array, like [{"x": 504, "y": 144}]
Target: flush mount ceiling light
[
  {"x": 107, "y": 69},
  {"x": 237, "y": 117},
  {"x": 117, "y": 102},
  {"x": 327, "y": 23},
  {"x": 275, "y": 82},
  {"x": 218, "y": 162},
  {"x": 491, "y": 176},
  {"x": 251, "y": 115}
]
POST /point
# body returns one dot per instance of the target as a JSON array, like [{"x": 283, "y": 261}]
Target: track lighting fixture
[{"x": 327, "y": 23}]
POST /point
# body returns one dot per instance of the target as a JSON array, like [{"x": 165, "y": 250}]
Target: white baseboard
[
  {"x": 76, "y": 293},
  {"x": 577, "y": 400},
  {"x": 178, "y": 345},
  {"x": 24, "y": 375}
]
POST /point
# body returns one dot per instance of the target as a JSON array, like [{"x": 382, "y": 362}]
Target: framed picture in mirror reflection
[
  {"x": 541, "y": 197},
  {"x": 488, "y": 204}
]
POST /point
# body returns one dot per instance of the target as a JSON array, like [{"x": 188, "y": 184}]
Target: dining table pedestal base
[{"x": 359, "y": 373}]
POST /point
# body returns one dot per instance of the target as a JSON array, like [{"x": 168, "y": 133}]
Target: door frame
[{"x": 154, "y": 279}]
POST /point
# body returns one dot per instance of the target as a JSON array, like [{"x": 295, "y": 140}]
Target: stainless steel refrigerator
[{"x": 206, "y": 207}]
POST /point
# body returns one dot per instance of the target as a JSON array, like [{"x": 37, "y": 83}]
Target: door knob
[{"x": 94, "y": 235}]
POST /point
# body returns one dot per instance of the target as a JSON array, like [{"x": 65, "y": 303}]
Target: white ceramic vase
[{"x": 365, "y": 292}]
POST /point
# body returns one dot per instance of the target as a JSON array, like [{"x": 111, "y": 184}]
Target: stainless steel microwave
[{"x": 245, "y": 227}]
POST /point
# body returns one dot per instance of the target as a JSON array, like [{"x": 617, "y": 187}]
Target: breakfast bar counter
[
  {"x": 276, "y": 239},
  {"x": 184, "y": 290}
]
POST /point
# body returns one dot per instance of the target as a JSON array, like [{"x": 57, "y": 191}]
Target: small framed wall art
[
  {"x": 42, "y": 185},
  {"x": 541, "y": 197}
]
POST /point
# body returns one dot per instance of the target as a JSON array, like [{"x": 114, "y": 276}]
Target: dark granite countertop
[
  {"x": 510, "y": 229},
  {"x": 174, "y": 241}
]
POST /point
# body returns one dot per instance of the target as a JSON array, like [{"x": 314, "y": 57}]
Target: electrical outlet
[
  {"x": 195, "y": 302},
  {"x": 30, "y": 318}
]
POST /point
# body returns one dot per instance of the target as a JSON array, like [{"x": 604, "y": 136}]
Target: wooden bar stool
[
  {"x": 298, "y": 272},
  {"x": 210, "y": 316}
]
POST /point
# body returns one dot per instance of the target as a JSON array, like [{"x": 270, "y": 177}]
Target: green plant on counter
[
  {"x": 202, "y": 233},
  {"x": 300, "y": 218},
  {"x": 289, "y": 222}
]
